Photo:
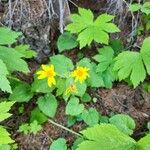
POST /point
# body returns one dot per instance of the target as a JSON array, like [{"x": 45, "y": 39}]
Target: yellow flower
[
  {"x": 71, "y": 89},
  {"x": 48, "y": 72},
  {"x": 80, "y": 74}
]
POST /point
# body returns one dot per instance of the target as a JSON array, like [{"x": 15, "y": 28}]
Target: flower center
[
  {"x": 80, "y": 73},
  {"x": 50, "y": 73}
]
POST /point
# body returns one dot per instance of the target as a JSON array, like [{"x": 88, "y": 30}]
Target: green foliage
[
  {"x": 37, "y": 115},
  {"x": 21, "y": 93},
  {"x": 66, "y": 41},
  {"x": 145, "y": 8},
  {"x": 4, "y": 83},
  {"x": 105, "y": 65},
  {"x": 66, "y": 65},
  {"x": 10, "y": 59},
  {"x": 89, "y": 29},
  {"x": 40, "y": 86},
  {"x": 25, "y": 51},
  {"x": 4, "y": 108},
  {"x": 4, "y": 135},
  {"x": 7, "y": 36},
  {"x": 73, "y": 107},
  {"x": 124, "y": 123},
  {"x": 59, "y": 144},
  {"x": 144, "y": 143},
  {"x": 90, "y": 117},
  {"x": 132, "y": 64},
  {"x": 106, "y": 137},
  {"x": 13, "y": 59},
  {"x": 148, "y": 126},
  {"x": 48, "y": 104},
  {"x": 33, "y": 127}
]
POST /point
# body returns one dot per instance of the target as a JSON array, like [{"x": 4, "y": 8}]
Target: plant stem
[{"x": 65, "y": 128}]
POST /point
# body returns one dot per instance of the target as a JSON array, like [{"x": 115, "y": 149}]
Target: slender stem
[{"x": 65, "y": 128}]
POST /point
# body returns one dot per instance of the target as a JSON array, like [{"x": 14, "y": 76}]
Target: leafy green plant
[
  {"x": 89, "y": 29},
  {"x": 134, "y": 65},
  {"x": 124, "y": 123},
  {"x": 4, "y": 135},
  {"x": 11, "y": 59},
  {"x": 33, "y": 127},
  {"x": 66, "y": 41},
  {"x": 107, "y": 136},
  {"x": 59, "y": 144},
  {"x": 145, "y": 8},
  {"x": 105, "y": 60}
]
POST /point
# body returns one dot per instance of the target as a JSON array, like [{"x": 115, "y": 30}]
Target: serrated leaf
[
  {"x": 4, "y": 108},
  {"x": 105, "y": 58},
  {"x": 62, "y": 64},
  {"x": 5, "y": 147},
  {"x": 13, "y": 60},
  {"x": 25, "y": 51},
  {"x": 73, "y": 107},
  {"x": 146, "y": 8},
  {"x": 7, "y": 36},
  {"x": 145, "y": 53},
  {"x": 21, "y": 93},
  {"x": 48, "y": 104},
  {"x": 66, "y": 41},
  {"x": 4, "y": 83},
  {"x": 106, "y": 137},
  {"x": 35, "y": 127},
  {"x": 144, "y": 143},
  {"x": 90, "y": 117},
  {"x": 130, "y": 64},
  {"x": 59, "y": 144},
  {"x": 134, "y": 7},
  {"x": 4, "y": 137},
  {"x": 124, "y": 123},
  {"x": 89, "y": 30}
]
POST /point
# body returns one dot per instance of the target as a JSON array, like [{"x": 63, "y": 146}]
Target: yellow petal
[{"x": 42, "y": 76}]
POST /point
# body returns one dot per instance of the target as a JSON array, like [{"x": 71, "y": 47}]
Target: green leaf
[
  {"x": 145, "y": 53},
  {"x": 146, "y": 8},
  {"x": 4, "y": 83},
  {"x": 86, "y": 98},
  {"x": 124, "y": 123},
  {"x": 81, "y": 88},
  {"x": 4, "y": 108},
  {"x": 90, "y": 117},
  {"x": 48, "y": 104},
  {"x": 25, "y": 128},
  {"x": 148, "y": 126},
  {"x": 4, "y": 137},
  {"x": 35, "y": 127},
  {"x": 62, "y": 64},
  {"x": 89, "y": 30},
  {"x": 5, "y": 147},
  {"x": 37, "y": 115},
  {"x": 59, "y": 144},
  {"x": 25, "y": 51},
  {"x": 13, "y": 60},
  {"x": 61, "y": 86},
  {"x": 66, "y": 41},
  {"x": 134, "y": 7},
  {"x": 144, "y": 143},
  {"x": 105, "y": 58},
  {"x": 130, "y": 64},
  {"x": 41, "y": 86},
  {"x": 73, "y": 107},
  {"x": 21, "y": 93},
  {"x": 106, "y": 137},
  {"x": 7, "y": 36}
]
